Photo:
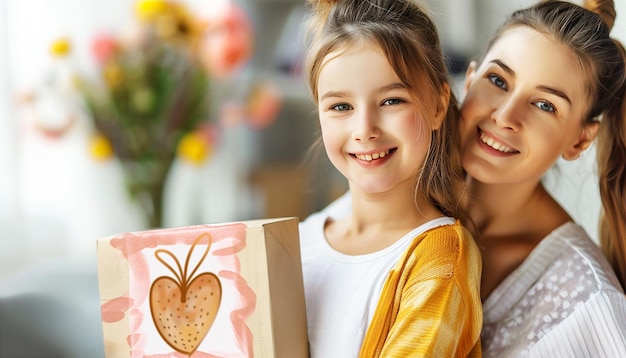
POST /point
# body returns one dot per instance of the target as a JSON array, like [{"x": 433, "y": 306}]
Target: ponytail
[
  {"x": 612, "y": 178},
  {"x": 610, "y": 106}
]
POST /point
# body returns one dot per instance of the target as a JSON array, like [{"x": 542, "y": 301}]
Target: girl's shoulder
[
  {"x": 452, "y": 238},
  {"x": 449, "y": 246}
]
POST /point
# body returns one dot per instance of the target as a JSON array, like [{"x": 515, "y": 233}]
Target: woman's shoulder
[
  {"x": 568, "y": 289},
  {"x": 578, "y": 258}
]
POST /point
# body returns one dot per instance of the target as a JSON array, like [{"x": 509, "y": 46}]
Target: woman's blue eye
[
  {"x": 341, "y": 107},
  {"x": 545, "y": 106},
  {"x": 497, "y": 81}
]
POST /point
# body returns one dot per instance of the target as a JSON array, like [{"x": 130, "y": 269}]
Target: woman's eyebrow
[
  {"x": 551, "y": 90},
  {"x": 506, "y": 68},
  {"x": 555, "y": 92}
]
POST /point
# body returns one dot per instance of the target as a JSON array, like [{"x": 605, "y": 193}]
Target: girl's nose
[{"x": 366, "y": 126}]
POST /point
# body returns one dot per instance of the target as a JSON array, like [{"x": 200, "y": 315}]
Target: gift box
[{"x": 219, "y": 290}]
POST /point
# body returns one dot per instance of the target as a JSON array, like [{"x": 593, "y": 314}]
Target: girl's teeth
[{"x": 374, "y": 156}]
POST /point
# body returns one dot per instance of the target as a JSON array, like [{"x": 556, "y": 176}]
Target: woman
[{"x": 551, "y": 79}]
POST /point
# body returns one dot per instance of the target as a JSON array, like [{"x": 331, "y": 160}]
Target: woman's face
[{"x": 523, "y": 108}]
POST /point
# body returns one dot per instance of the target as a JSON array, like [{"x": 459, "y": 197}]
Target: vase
[{"x": 145, "y": 181}]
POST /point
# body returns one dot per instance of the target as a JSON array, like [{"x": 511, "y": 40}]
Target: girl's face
[
  {"x": 371, "y": 130},
  {"x": 523, "y": 108}
]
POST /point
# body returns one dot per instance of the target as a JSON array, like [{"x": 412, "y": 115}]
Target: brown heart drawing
[{"x": 184, "y": 307}]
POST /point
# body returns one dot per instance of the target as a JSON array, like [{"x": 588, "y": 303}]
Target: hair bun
[
  {"x": 323, "y": 5},
  {"x": 323, "y": 2},
  {"x": 604, "y": 8}
]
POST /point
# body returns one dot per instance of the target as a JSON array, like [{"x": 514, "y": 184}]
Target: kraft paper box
[{"x": 223, "y": 290}]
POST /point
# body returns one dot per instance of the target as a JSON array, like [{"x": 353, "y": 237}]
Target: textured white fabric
[
  {"x": 563, "y": 301},
  {"x": 341, "y": 290}
]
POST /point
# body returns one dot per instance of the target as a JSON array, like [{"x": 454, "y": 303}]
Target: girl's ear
[
  {"x": 442, "y": 107},
  {"x": 586, "y": 137}
]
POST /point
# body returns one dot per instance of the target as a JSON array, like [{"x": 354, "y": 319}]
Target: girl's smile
[{"x": 371, "y": 129}]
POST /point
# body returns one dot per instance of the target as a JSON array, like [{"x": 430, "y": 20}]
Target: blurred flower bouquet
[{"x": 150, "y": 100}]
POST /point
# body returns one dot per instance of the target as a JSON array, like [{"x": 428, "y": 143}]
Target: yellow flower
[
  {"x": 60, "y": 47},
  {"x": 142, "y": 99},
  {"x": 149, "y": 9},
  {"x": 113, "y": 75},
  {"x": 166, "y": 26},
  {"x": 100, "y": 147},
  {"x": 170, "y": 20},
  {"x": 193, "y": 148}
]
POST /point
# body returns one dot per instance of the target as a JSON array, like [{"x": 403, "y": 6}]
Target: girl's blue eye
[
  {"x": 392, "y": 101},
  {"x": 341, "y": 107},
  {"x": 545, "y": 106},
  {"x": 497, "y": 81}
]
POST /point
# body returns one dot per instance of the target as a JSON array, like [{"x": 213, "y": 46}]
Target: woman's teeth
[
  {"x": 495, "y": 145},
  {"x": 373, "y": 156}
]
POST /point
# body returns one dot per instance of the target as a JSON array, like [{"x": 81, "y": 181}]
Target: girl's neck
[
  {"x": 378, "y": 220},
  {"x": 396, "y": 209}
]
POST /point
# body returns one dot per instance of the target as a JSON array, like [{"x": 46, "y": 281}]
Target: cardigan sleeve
[{"x": 430, "y": 304}]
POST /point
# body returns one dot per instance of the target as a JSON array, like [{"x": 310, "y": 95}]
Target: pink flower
[
  {"x": 227, "y": 43},
  {"x": 103, "y": 48},
  {"x": 264, "y": 104}
]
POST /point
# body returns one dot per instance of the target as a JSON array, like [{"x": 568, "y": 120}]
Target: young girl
[
  {"x": 399, "y": 276},
  {"x": 551, "y": 78}
]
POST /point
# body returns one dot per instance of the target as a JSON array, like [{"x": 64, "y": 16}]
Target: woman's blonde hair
[{"x": 586, "y": 30}]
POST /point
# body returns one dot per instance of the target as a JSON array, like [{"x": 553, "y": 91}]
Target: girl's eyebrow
[
  {"x": 551, "y": 90},
  {"x": 333, "y": 94},
  {"x": 340, "y": 94}
]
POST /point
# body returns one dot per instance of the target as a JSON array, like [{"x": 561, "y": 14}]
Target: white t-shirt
[
  {"x": 341, "y": 290},
  {"x": 563, "y": 301}
]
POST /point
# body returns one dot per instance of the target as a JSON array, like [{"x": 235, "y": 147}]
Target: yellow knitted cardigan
[{"x": 430, "y": 304}]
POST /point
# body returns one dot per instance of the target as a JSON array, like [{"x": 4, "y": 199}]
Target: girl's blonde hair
[{"x": 410, "y": 41}]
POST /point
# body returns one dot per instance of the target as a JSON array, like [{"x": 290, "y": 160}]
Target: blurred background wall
[
  {"x": 62, "y": 187},
  {"x": 56, "y": 199}
]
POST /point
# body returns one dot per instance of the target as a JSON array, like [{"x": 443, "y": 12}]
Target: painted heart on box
[{"x": 184, "y": 307}]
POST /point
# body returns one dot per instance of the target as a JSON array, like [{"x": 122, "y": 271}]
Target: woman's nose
[{"x": 507, "y": 113}]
